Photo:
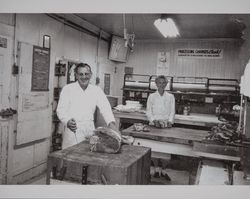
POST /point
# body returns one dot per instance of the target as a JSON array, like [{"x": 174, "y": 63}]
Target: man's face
[
  {"x": 161, "y": 84},
  {"x": 83, "y": 75}
]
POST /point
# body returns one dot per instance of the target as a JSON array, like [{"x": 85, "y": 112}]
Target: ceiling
[{"x": 191, "y": 26}]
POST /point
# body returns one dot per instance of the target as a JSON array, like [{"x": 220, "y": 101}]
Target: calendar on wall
[{"x": 162, "y": 67}]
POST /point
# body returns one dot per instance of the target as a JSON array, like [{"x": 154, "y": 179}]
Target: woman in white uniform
[
  {"x": 161, "y": 113},
  {"x": 77, "y": 104}
]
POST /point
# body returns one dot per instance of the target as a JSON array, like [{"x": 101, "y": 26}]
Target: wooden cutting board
[{"x": 173, "y": 135}]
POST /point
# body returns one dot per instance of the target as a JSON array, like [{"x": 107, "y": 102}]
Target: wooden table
[
  {"x": 182, "y": 141},
  {"x": 204, "y": 120},
  {"x": 130, "y": 166}
]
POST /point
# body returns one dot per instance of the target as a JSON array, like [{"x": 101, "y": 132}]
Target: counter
[
  {"x": 203, "y": 120},
  {"x": 78, "y": 164},
  {"x": 183, "y": 141}
]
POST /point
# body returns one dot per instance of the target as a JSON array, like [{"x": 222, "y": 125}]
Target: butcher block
[{"x": 78, "y": 164}]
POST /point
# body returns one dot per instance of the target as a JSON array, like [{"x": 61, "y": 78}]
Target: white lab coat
[
  {"x": 74, "y": 102},
  {"x": 161, "y": 107}
]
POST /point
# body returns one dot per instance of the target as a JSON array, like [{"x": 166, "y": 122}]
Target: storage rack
[{"x": 60, "y": 70}]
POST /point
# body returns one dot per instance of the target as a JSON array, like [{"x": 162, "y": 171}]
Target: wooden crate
[{"x": 131, "y": 166}]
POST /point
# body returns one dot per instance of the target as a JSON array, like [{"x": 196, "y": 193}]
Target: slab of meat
[{"x": 105, "y": 140}]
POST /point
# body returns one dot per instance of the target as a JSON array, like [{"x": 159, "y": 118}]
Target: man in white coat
[
  {"x": 160, "y": 113},
  {"x": 77, "y": 104}
]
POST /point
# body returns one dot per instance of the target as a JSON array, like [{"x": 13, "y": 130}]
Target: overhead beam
[{"x": 82, "y": 25}]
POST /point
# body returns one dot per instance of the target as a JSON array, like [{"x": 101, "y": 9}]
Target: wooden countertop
[
  {"x": 173, "y": 135},
  {"x": 183, "y": 138},
  {"x": 192, "y": 119}
]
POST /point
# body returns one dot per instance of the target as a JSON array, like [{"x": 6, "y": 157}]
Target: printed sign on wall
[
  {"x": 107, "y": 83},
  {"x": 3, "y": 42},
  {"x": 200, "y": 53},
  {"x": 40, "y": 69},
  {"x": 163, "y": 63},
  {"x": 35, "y": 102}
]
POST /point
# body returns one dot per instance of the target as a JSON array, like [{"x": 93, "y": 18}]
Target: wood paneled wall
[{"x": 144, "y": 58}]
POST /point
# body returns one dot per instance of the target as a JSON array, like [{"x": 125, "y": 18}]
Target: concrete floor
[
  {"x": 181, "y": 170},
  {"x": 177, "y": 178}
]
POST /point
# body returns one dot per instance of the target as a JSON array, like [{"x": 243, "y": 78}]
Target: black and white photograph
[{"x": 113, "y": 98}]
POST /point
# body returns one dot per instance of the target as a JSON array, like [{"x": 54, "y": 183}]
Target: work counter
[
  {"x": 203, "y": 120},
  {"x": 78, "y": 164},
  {"x": 182, "y": 141}
]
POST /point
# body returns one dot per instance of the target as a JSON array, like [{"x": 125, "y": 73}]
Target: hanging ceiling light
[{"x": 167, "y": 27}]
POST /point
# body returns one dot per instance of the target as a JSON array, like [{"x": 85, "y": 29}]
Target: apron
[{"x": 84, "y": 131}]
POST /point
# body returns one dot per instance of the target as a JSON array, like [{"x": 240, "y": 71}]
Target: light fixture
[
  {"x": 167, "y": 27},
  {"x": 46, "y": 41},
  {"x": 129, "y": 38}
]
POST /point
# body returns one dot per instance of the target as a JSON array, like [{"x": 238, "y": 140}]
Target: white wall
[{"x": 144, "y": 59}]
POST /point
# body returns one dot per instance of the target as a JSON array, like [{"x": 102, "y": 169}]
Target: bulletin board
[{"x": 40, "y": 69}]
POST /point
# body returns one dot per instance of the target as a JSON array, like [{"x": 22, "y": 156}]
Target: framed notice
[
  {"x": 40, "y": 69},
  {"x": 107, "y": 83},
  {"x": 118, "y": 51}
]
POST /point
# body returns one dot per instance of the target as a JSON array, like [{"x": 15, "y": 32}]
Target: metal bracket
[
  {"x": 15, "y": 69},
  {"x": 60, "y": 69},
  {"x": 84, "y": 174},
  {"x": 59, "y": 175},
  {"x": 7, "y": 112}
]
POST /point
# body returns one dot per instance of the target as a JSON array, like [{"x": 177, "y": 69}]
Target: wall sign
[
  {"x": 35, "y": 102},
  {"x": 200, "y": 53},
  {"x": 107, "y": 83},
  {"x": 40, "y": 69},
  {"x": 3, "y": 42},
  {"x": 118, "y": 51}
]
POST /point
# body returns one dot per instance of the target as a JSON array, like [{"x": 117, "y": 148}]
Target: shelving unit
[{"x": 60, "y": 70}]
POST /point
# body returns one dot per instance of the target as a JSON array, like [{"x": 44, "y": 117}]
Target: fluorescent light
[{"x": 167, "y": 27}]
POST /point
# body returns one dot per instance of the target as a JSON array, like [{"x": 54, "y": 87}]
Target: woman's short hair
[{"x": 161, "y": 77}]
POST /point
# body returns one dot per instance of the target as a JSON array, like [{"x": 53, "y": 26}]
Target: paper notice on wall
[
  {"x": 35, "y": 102},
  {"x": 163, "y": 63}
]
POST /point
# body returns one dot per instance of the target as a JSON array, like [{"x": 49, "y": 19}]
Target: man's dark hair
[{"x": 83, "y": 65}]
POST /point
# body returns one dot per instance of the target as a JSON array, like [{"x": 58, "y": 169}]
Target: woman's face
[{"x": 161, "y": 84}]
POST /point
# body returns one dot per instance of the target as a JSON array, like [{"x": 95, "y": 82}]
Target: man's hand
[
  {"x": 113, "y": 127},
  {"x": 71, "y": 124}
]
